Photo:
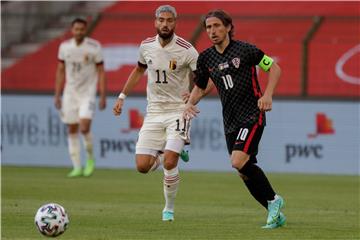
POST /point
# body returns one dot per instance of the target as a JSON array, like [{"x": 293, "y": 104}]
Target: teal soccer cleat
[
  {"x": 279, "y": 223},
  {"x": 167, "y": 216},
  {"x": 274, "y": 208},
  {"x": 184, "y": 155}
]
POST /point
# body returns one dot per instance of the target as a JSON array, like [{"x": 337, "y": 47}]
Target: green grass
[{"x": 123, "y": 204}]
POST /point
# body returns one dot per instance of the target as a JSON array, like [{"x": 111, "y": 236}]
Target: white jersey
[
  {"x": 80, "y": 66},
  {"x": 169, "y": 70}
]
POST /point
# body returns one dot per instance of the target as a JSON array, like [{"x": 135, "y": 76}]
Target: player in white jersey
[
  {"x": 170, "y": 61},
  {"x": 81, "y": 64}
]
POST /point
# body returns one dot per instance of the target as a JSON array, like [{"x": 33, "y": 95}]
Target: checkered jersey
[{"x": 234, "y": 75}]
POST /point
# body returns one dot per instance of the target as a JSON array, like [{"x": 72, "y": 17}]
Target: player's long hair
[{"x": 224, "y": 17}]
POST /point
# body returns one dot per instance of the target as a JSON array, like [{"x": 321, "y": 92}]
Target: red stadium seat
[
  {"x": 334, "y": 59},
  {"x": 276, "y": 27}
]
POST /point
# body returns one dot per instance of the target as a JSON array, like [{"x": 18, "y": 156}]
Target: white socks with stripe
[
  {"x": 74, "y": 149},
  {"x": 87, "y": 141},
  {"x": 171, "y": 184}
]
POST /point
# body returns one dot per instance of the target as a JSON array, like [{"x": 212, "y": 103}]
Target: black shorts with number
[{"x": 245, "y": 139}]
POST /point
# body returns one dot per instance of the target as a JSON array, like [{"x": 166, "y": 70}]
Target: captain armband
[{"x": 266, "y": 63}]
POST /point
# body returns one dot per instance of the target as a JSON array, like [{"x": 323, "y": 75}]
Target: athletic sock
[
  {"x": 74, "y": 150},
  {"x": 171, "y": 184},
  {"x": 258, "y": 181},
  {"x": 255, "y": 193},
  {"x": 87, "y": 141},
  {"x": 275, "y": 198}
]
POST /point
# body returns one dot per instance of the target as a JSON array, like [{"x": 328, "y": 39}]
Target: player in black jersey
[{"x": 231, "y": 65}]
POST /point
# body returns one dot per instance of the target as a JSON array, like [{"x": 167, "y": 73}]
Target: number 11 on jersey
[{"x": 158, "y": 76}]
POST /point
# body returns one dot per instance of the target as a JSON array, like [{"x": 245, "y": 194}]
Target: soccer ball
[{"x": 51, "y": 220}]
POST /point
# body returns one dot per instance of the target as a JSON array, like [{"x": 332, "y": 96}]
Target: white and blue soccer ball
[{"x": 51, "y": 220}]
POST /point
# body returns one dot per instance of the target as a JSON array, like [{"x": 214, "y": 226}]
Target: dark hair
[
  {"x": 224, "y": 17},
  {"x": 79, "y": 20}
]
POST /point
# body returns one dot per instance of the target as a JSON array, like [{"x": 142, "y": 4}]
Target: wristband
[{"x": 122, "y": 96}]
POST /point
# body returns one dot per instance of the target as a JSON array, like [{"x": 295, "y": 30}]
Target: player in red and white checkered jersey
[{"x": 231, "y": 65}]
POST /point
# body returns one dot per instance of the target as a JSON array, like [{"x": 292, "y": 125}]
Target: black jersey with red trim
[{"x": 234, "y": 75}]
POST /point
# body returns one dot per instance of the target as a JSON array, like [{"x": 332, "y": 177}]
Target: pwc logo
[
  {"x": 324, "y": 126},
  {"x": 136, "y": 120}
]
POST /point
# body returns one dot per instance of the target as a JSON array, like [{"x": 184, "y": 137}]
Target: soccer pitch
[{"x": 124, "y": 204}]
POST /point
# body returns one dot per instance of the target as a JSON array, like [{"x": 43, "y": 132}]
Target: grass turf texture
[{"x": 123, "y": 204}]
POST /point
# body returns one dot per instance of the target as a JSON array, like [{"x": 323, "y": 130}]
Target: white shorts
[
  {"x": 74, "y": 108},
  {"x": 167, "y": 131}
]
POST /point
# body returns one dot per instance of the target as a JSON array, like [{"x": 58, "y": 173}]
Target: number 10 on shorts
[{"x": 242, "y": 134}]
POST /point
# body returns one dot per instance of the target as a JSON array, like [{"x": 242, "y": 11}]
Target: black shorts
[{"x": 246, "y": 139}]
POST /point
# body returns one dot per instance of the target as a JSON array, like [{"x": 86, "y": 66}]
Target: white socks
[
  {"x": 171, "y": 184},
  {"x": 275, "y": 198},
  {"x": 87, "y": 141},
  {"x": 74, "y": 149}
]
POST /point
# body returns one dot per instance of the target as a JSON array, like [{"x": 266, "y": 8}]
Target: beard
[
  {"x": 79, "y": 38},
  {"x": 165, "y": 36}
]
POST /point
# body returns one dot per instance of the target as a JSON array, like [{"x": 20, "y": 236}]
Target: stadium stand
[
  {"x": 277, "y": 27},
  {"x": 276, "y": 37},
  {"x": 335, "y": 40},
  {"x": 244, "y": 8}
]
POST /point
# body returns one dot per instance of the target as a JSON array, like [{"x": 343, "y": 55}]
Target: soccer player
[
  {"x": 231, "y": 65},
  {"x": 170, "y": 62},
  {"x": 81, "y": 64}
]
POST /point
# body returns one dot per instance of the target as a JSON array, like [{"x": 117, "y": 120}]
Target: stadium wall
[{"x": 301, "y": 136}]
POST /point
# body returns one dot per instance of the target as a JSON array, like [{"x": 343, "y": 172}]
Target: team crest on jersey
[
  {"x": 236, "y": 62},
  {"x": 222, "y": 66},
  {"x": 172, "y": 64},
  {"x": 149, "y": 62}
]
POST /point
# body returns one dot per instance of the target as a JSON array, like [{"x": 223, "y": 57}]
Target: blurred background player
[
  {"x": 170, "y": 61},
  {"x": 231, "y": 65},
  {"x": 81, "y": 64}
]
